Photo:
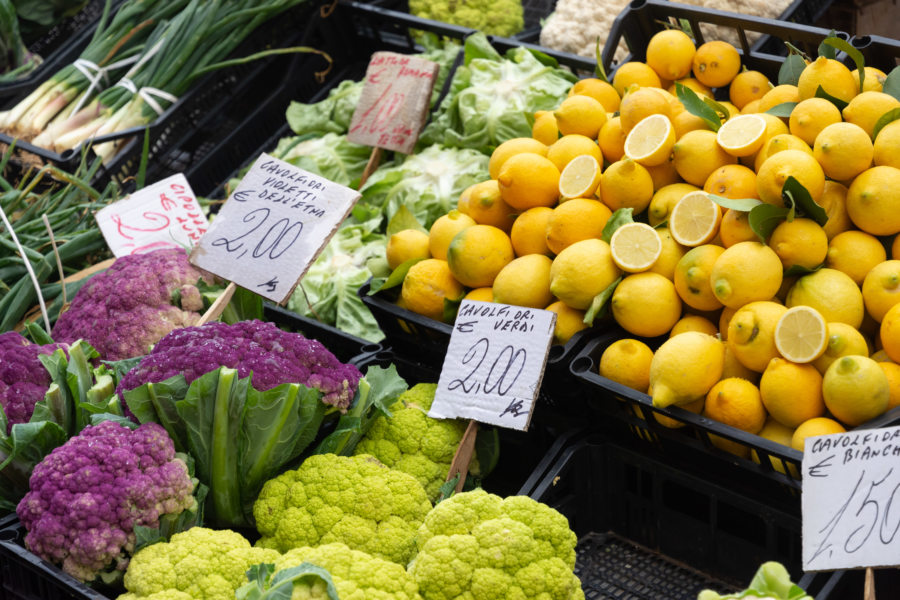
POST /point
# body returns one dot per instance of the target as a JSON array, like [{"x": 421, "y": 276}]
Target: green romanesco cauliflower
[
  {"x": 493, "y": 17},
  {"x": 356, "y": 575},
  {"x": 412, "y": 442},
  {"x": 478, "y": 546},
  {"x": 353, "y": 500},
  {"x": 198, "y": 564}
]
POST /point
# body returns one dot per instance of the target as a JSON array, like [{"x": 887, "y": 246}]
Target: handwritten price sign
[
  {"x": 851, "y": 482},
  {"x": 163, "y": 215},
  {"x": 394, "y": 102},
  {"x": 494, "y": 364},
  {"x": 273, "y": 227}
]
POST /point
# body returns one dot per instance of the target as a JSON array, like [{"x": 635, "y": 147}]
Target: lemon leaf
[
  {"x": 849, "y": 50},
  {"x": 599, "y": 71},
  {"x": 404, "y": 219},
  {"x": 600, "y": 305},
  {"x": 451, "y": 307},
  {"x": 793, "y": 191},
  {"x": 782, "y": 110},
  {"x": 394, "y": 279},
  {"x": 741, "y": 204},
  {"x": 801, "y": 270},
  {"x": 827, "y": 50},
  {"x": 789, "y": 73},
  {"x": 821, "y": 93},
  {"x": 721, "y": 110},
  {"x": 765, "y": 218},
  {"x": 697, "y": 107},
  {"x": 888, "y": 117},
  {"x": 616, "y": 220},
  {"x": 891, "y": 85}
]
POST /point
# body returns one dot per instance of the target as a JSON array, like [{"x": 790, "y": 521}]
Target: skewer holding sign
[{"x": 393, "y": 105}]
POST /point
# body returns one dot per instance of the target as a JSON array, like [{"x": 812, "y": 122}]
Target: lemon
[
  {"x": 635, "y": 247},
  {"x": 742, "y": 135},
  {"x": 692, "y": 277},
  {"x": 843, "y": 340},
  {"x": 747, "y": 87},
  {"x": 646, "y": 304},
  {"x": 811, "y": 116},
  {"x": 569, "y": 321},
  {"x": 874, "y": 80},
  {"x": 834, "y": 201},
  {"x": 801, "y": 242},
  {"x": 801, "y": 335},
  {"x": 778, "y": 433},
  {"x": 694, "y": 323},
  {"x": 528, "y": 180},
  {"x": 791, "y": 163},
  {"x": 886, "y": 149},
  {"x": 881, "y": 288},
  {"x": 444, "y": 229},
  {"x": 830, "y": 292},
  {"x": 510, "y": 148},
  {"x": 529, "y": 231},
  {"x": 575, "y": 220},
  {"x": 525, "y": 281},
  {"x": 895, "y": 247},
  {"x": 745, "y": 272},
  {"x": 716, "y": 63},
  {"x": 482, "y": 294},
  {"x": 751, "y": 333},
  {"x": 635, "y": 73},
  {"x": 830, "y": 75},
  {"x": 735, "y": 228},
  {"x": 582, "y": 271},
  {"x": 872, "y": 201},
  {"x": 627, "y": 361},
  {"x": 724, "y": 320},
  {"x": 580, "y": 178},
  {"x": 670, "y": 53},
  {"x": 462, "y": 204},
  {"x": 892, "y": 371},
  {"x": 778, "y": 95},
  {"x": 734, "y": 368},
  {"x": 856, "y": 389},
  {"x": 477, "y": 254},
  {"x": 694, "y": 84},
  {"x": 890, "y": 334},
  {"x": 568, "y": 147},
  {"x": 880, "y": 356},
  {"x": 792, "y": 393},
  {"x": 685, "y": 367},
  {"x": 736, "y": 402},
  {"x": 626, "y": 184},
  {"x": 406, "y": 245},
  {"x": 650, "y": 141},
  {"x": 686, "y": 121},
  {"x": 427, "y": 284},
  {"x": 641, "y": 103},
  {"x": 812, "y": 428},
  {"x": 671, "y": 253},
  {"x": 545, "y": 129},
  {"x": 580, "y": 114},
  {"x": 695, "y": 407},
  {"x": 866, "y": 108},
  {"x": 664, "y": 199},
  {"x": 663, "y": 174},
  {"x": 697, "y": 154},
  {"x": 488, "y": 208},
  {"x": 612, "y": 139},
  {"x": 599, "y": 90},
  {"x": 779, "y": 143},
  {"x": 844, "y": 150},
  {"x": 752, "y": 108},
  {"x": 855, "y": 253},
  {"x": 694, "y": 219},
  {"x": 732, "y": 181}
]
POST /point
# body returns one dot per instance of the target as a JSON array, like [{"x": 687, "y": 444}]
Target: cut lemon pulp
[
  {"x": 635, "y": 247},
  {"x": 694, "y": 220},
  {"x": 650, "y": 142},
  {"x": 580, "y": 178},
  {"x": 742, "y": 135},
  {"x": 801, "y": 335}
]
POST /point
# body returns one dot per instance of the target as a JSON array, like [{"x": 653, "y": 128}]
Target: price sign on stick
[
  {"x": 163, "y": 215},
  {"x": 273, "y": 227},
  {"x": 851, "y": 500},
  {"x": 494, "y": 364}
]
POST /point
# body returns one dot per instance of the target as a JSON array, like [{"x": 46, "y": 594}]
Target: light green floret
[
  {"x": 412, "y": 442},
  {"x": 478, "y": 546},
  {"x": 353, "y": 500},
  {"x": 493, "y": 17},
  {"x": 198, "y": 564}
]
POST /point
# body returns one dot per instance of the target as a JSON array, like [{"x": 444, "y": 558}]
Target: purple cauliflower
[
  {"x": 87, "y": 496},
  {"x": 23, "y": 379},
  {"x": 123, "y": 311},
  {"x": 259, "y": 348}
]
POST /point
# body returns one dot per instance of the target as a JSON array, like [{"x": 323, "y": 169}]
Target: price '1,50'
[
  {"x": 499, "y": 378},
  {"x": 275, "y": 241}
]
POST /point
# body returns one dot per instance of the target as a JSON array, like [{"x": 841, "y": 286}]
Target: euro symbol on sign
[
  {"x": 242, "y": 195},
  {"x": 466, "y": 327},
  {"x": 818, "y": 469},
  {"x": 270, "y": 285}
]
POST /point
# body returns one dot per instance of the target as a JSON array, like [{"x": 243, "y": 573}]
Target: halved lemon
[
  {"x": 650, "y": 142},
  {"x": 635, "y": 247},
  {"x": 742, "y": 135},
  {"x": 694, "y": 220},
  {"x": 580, "y": 178},
  {"x": 801, "y": 335}
]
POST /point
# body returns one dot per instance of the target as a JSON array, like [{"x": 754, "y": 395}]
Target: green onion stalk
[{"x": 15, "y": 59}]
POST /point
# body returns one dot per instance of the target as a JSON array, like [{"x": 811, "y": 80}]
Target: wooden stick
[
  {"x": 215, "y": 310},
  {"x": 463, "y": 456},
  {"x": 374, "y": 159},
  {"x": 90, "y": 270},
  {"x": 869, "y": 593}
]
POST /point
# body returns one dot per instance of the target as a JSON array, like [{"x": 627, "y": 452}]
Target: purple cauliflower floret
[
  {"x": 123, "y": 311},
  {"x": 23, "y": 379},
  {"x": 87, "y": 496},
  {"x": 259, "y": 348}
]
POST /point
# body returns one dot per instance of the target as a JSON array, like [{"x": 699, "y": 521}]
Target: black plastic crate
[{"x": 344, "y": 346}]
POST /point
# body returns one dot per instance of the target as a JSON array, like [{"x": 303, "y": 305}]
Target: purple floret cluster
[
  {"x": 259, "y": 348},
  {"x": 126, "y": 309},
  {"x": 87, "y": 496},
  {"x": 23, "y": 379}
]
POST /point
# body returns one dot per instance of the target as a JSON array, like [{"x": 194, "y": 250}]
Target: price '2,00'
[
  {"x": 499, "y": 378},
  {"x": 271, "y": 242}
]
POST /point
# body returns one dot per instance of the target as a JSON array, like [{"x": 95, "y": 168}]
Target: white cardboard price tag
[
  {"x": 850, "y": 483},
  {"x": 163, "y": 215},
  {"x": 273, "y": 227},
  {"x": 494, "y": 364}
]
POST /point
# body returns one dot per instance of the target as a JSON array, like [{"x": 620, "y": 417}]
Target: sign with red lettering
[
  {"x": 163, "y": 215},
  {"x": 394, "y": 102}
]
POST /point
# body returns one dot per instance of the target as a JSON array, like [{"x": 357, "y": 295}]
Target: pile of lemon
[{"x": 780, "y": 355}]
